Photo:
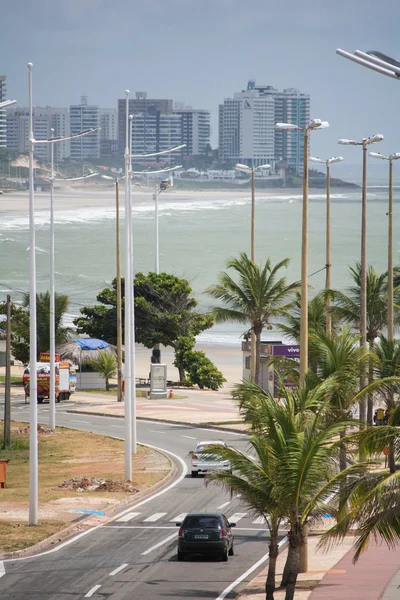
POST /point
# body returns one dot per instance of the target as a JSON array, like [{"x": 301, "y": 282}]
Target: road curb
[
  {"x": 187, "y": 423},
  {"x": 90, "y": 521}
]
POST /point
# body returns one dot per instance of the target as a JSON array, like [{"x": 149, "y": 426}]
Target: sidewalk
[{"x": 199, "y": 407}]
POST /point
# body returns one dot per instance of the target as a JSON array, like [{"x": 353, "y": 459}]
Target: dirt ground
[{"x": 77, "y": 472}]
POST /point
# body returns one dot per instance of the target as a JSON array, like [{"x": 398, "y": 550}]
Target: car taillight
[
  {"x": 180, "y": 532},
  {"x": 222, "y": 532},
  {"x": 194, "y": 456}
]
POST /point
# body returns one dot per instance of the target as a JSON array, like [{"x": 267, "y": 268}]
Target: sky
[{"x": 201, "y": 51}]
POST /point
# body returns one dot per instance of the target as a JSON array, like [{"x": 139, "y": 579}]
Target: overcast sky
[{"x": 201, "y": 51}]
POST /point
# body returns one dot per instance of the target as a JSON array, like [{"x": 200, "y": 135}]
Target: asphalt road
[{"x": 134, "y": 556}]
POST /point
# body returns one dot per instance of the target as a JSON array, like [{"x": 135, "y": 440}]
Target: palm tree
[
  {"x": 106, "y": 365},
  {"x": 21, "y": 323},
  {"x": 388, "y": 365},
  {"x": 339, "y": 356},
  {"x": 303, "y": 441},
  {"x": 258, "y": 297},
  {"x": 254, "y": 478},
  {"x": 316, "y": 317},
  {"x": 347, "y": 309},
  {"x": 373, "y": 508}
]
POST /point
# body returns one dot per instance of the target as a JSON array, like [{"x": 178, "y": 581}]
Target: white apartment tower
[
  {"x": 84, "y": 116},
  {"x": 3, "y": 122},
  {"x": 196, "y": 130},
  {"x": 247, "y": 131},
  {"x": 44, "y": 120},
  {"x": 109, "y": 131}
]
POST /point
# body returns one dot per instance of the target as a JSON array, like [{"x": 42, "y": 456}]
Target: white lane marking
[
  {"x": 236, "y": 517},
  {"x": 247, "y": 573},
  {"x": 189, "y": 437},
  {"x": 2, "y": 569},
  {"x": 118, "y": 570},
  {"x": 223, "y": 505},
  {"x": 167, "y": 489},
  {"x": 128, "y": 517},
  {"x": 116, "y": 426},
  {"x": 79, "y": 421},
  {"x": 170, "y": 537},
  {"x": 140, "y": 527},
  {"x": 259, "y": 521},
  {"x": 185, "y": 426},
  {"x": 92, "y": 591},
  {"x": 178, "y": 518},
  {"x": 154, "y": 517},
  {"x": 159, "y": 432}
]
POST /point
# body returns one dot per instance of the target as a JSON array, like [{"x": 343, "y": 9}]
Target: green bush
[{"x": 203, "y": 371}]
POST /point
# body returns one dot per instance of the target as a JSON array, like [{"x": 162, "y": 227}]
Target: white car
[{"x": 201, "y": 464}]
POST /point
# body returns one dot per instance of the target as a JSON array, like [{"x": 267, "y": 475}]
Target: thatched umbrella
[{"x": 81, "y": 351}]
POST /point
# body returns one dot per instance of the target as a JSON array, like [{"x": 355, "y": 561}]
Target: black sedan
[{"x": 205, "y": 533}]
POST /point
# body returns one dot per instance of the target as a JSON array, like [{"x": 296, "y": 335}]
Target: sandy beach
[{"x": 78, "y": 196}]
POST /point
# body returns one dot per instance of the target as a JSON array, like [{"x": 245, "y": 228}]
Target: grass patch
[
  {"x": 14, "y": 380},
  {"x": 17, "y": 536},
  {"x": 64, "y": 455}
]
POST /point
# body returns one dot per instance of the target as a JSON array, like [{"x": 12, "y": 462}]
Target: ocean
[{"x": 197, "y": 234}]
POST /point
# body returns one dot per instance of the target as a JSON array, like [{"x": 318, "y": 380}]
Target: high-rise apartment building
[
  {"x": 44, "y": 120},
  {"x": 158, "y": 125},
  {"x": 84, "y": 116},
  {"x": 247, "y": 131},
  {"x": 291, "y": 106},
  {"x": 3, "y": 122},
  {"x": 196, "y": 130},
  {"x": 109, "y": 131}
]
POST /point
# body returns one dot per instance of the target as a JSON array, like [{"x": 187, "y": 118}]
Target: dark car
[{"x": 205, "y": 533}]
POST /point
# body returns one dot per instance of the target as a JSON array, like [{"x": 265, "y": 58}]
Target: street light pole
[
  {"x": 128, "y": 307},
  {"x": 253, "y": 217},
  {"x": 52, "y": 400},
  {"x": 251, "y": 170},
  {"x": 132, "y": 299},
  {"x": 313, "y": 124},
  {"x": 119, "y": 302},
  {"x": 33, "y": 435},
  {"x": 390, "y": 317},
  {"x": 365, "y": 142},
  {"x": 328, "y": 265}
]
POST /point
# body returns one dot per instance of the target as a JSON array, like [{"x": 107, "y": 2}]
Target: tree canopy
[{"x": 164, "y": 311}]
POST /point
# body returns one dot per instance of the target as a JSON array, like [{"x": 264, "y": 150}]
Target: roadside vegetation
[
  {"x": 309, "y": 455},
  {"x": 77, "y": 471}
]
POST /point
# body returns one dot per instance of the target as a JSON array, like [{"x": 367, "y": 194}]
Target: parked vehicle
[
  {"x": 65, "y": 379},
  {"x": 205, "y": 533},
  {"x": 201, "y": 463}
]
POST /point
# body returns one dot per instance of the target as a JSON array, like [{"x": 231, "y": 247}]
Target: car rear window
[
  {"x": 201, "y": 522},
  {"x": 207, "y": 447}
]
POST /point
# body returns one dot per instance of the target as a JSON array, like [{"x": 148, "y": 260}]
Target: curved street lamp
[
  {"x": 6, "y": 103},
  {"x": 375, "y": 60},
  {"x": 312, "y": 125},
  {"x": 365, "y": 142},
  {"x": 328, "y": 162},
  {"x": 390, "y": 319}
]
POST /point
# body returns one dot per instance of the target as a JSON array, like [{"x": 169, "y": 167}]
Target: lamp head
[
  {"x": 266, "y": 166},
  {"x": 347, "y": 142},
  {"x": 244, "y": 168},
  {"x": 378, "y": 137},
  {"x": 335, "y": 159},
  {"x": 317, "y": 160},
  {"x": 379, "y": 155},
  {"x": 395, "y": 156},
  {"x": 287, "y": 126}
]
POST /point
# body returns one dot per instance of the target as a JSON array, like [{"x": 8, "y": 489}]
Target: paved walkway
[{"x": 376, "y": 576}]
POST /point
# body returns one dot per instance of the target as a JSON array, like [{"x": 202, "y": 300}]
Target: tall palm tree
[
  {"x": 254, "y": 478},
  {"x": 346, "y": 307},
  {"x": 303, "y": 441},
  {"x": 258, "y": 296}
]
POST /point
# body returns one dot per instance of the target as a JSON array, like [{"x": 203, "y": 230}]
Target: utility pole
[{"x": 7, "y": 395}]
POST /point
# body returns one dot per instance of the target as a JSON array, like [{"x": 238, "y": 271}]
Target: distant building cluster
[{"x": 246, "y": 128}]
